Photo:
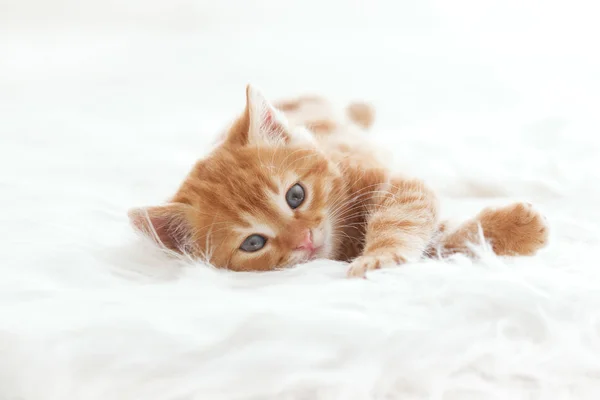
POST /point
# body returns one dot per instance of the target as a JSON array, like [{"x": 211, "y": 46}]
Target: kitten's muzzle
[
  {"x": 306, "y": 241},
  {"x": 308, "y": 245}
]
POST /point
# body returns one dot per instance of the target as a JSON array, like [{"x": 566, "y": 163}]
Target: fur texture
[{"x": 355, "y": 208}]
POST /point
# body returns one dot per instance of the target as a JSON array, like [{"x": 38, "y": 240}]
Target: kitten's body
[{"x": 355, "y": 208}]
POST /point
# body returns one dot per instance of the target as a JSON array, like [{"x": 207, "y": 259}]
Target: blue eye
[
  {"x": 295, "y": 196},
  {"x": 253, "y": 243}
]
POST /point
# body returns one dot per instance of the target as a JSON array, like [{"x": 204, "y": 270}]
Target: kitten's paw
[
  {"x": 517, "y": 229},
  {"x": 360, "y": 266}
]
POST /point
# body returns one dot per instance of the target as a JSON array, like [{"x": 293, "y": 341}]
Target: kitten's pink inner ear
[
  {"x": 266, "y": 124},
  {"x": 167, "y": 225},
  {"x": 268, "y": 118}
]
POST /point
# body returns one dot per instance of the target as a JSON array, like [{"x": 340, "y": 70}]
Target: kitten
[{"x": 290, "y": 183}]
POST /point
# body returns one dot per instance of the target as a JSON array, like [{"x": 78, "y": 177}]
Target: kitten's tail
[{"x": 362, "y": 114}]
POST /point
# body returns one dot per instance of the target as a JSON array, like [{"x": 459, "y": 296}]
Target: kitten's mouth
[
  {"x": 318, "y": 248},
  {"x": 312, "y": 254},
  {"x": 315, "y": 253}
]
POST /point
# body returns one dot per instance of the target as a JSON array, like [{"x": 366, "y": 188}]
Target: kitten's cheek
[
  {"x": 327, "y": 232},
  {"x": 318, "y": 236}
]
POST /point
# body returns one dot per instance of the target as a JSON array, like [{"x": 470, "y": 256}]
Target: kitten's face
[
  {"x": 262, "y": 208},
  {"x": 260, "y": 201}
]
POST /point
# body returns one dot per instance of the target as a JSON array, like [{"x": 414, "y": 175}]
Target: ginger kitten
[{"x": 291, "y": 183}]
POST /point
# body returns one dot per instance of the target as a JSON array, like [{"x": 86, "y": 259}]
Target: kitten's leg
[
  {"x": 517, "y": 229},
  {"x": 400, "y": 226},
  {"x": 322, "y": 118}
]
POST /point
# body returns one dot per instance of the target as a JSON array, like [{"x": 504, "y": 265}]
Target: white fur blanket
[{"x": 105, "y": 106}]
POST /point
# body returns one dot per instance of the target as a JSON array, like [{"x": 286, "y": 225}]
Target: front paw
[{"x": 360, "y": 266}]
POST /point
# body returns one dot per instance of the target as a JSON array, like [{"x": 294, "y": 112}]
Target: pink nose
[{"x": 306, "y": 243}]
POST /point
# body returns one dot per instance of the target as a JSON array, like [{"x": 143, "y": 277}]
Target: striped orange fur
[{"x": 294, "y": 182}]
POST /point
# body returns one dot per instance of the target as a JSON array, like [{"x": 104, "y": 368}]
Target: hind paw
[{"x": 517, "y": 229}]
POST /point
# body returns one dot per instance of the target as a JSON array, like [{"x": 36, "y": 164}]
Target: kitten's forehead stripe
[
  {"x": 279, "y": 205},
  {"x": 254, "y": 225},
  {"x": 270, "y": 213},
  {"x": 268, "y": 183}
]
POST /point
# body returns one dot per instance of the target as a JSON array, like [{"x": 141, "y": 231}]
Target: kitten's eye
[
  {"x": 253, "y": 243},
  {"x": 295, "y": 196}
]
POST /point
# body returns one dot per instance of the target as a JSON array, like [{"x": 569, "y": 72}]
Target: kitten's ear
[
  {"x": 261, "y": 123},
  {"x": 169, "y": 225}
]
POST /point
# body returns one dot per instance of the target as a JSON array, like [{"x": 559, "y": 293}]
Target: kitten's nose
[{"x": 306, "y": 242}]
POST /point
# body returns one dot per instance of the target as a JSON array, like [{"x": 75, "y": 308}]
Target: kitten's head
[{"x": 262, "y": 200}]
